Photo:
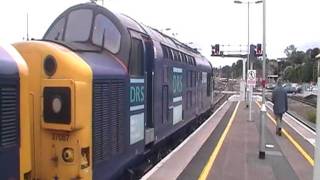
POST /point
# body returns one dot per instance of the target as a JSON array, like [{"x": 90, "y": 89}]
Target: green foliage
[
  {"x": 307, "y": 70},
  {"x": 289, "y": 50},
  {"x": 226, "y": 72},
  {"x": 314, "y": 52},
  {"x": 235, "y": 71},
  {"x": 312, "y": 116},
  {"x": 299, "y": 66}
]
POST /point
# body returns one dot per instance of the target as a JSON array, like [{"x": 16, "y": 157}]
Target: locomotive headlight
[
  {"x": 50, "y": 65},
  {"x": 57, "y": 105},
  {"x": 68, "y": 154}
]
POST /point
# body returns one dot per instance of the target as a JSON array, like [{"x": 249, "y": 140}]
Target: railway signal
[
  {"x": 259, "y": 50},
  {"x": 215, "y": 49}
]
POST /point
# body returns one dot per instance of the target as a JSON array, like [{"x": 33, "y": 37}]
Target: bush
[{"x": 312, "y": 116}]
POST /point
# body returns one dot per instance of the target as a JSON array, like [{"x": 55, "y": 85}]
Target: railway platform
[{"x": 226, "y": 146}]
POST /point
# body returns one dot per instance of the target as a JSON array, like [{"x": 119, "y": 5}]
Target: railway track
[{"x": 303, "y": 100}]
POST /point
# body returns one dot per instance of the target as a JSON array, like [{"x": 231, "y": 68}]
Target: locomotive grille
[
  {"x": 108, "y": 119},
  {"x": 9, "y": 116}
]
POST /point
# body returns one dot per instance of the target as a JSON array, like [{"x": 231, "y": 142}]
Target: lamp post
[
  {"x": 263, "y": 111},
  {"x": 248, "y": 47}
]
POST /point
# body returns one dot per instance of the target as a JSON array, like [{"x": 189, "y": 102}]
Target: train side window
[
  {"x": 79, "y": 25},
  {"x": 183, "y": 58},
  {"x": 136, "y": 63},
  {"x": 177, "y": 55},
  {"x": 104, "y": 28},
  {"x": 175, "y": 58},
  {"x": 180, "y": 56},
  {"x": 194, "y": 61},
  {"x": 170, "y": 52},
  {"x": 165, "y": 52},
  {"x": 189, "y": 60},
  {"x": 56, "y": 31}
]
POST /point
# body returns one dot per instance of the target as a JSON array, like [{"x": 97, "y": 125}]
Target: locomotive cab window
[
  {"x": 105, "y": 30},
  {"x": 56, "y": 31},
  {"x": 136, "y": 62},
  {"x": 79, "y": 25}
]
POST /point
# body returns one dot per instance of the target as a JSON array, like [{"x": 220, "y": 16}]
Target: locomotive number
[{"x": 60, "y": 137}]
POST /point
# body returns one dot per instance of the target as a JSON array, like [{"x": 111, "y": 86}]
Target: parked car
[
  {"x": 292, "y": 88},
  {"x": 270, "y": 86}
]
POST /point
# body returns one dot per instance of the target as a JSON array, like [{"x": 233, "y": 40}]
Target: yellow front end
[{"x": 61, "y": 111}]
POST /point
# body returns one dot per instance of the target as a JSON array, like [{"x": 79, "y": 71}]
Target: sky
[{"x": 200, "y": 23}]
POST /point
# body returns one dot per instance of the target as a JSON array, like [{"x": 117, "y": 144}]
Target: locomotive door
[
  {"x": 177, "y": 78},
  {"x": 138, "y": 89}
]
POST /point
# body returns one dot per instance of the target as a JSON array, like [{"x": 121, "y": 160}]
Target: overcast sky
[{"x": 203, "y": 22}]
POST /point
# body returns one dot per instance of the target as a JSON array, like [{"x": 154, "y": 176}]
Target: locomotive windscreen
[{"x": 78, "y": 30}]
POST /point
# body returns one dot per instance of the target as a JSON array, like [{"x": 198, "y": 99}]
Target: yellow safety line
[
  {"x": 294, "y": 142},
  {"x": 205, "y": 171}
]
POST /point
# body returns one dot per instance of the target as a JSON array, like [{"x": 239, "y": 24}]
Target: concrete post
[
  {"x": 262, "y": 151},
  {"x": 250, "y": 103}
]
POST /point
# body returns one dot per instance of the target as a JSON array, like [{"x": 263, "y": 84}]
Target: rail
[{"x": 305, "y": 101}]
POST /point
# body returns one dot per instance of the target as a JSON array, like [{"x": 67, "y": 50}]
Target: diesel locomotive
[
  {"x": 107, "y": 90},
  {"x": 15, "y": 149}
]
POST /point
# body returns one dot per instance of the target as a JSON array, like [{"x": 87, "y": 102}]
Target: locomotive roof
[
  {"x": 162, "y": 38},
  {"x": 125, "y": 23}
]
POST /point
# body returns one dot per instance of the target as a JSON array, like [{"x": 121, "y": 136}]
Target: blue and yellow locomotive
[
  {"x": 15, "y": 137},
  {"x": 108, "y": 90}
]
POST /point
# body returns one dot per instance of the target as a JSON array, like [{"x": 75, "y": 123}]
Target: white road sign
[{"x": 251, "y": 81}]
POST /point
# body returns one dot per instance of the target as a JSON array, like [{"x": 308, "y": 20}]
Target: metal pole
[
  {"x": 249, "y": 89},
  {"x": 248, "y": 51},
  {"x": 27, "y": 27},
  {"x": 316, "y": 169},
  {"x": 262, "y": 152},
  {"x": 243, "y": 70}
]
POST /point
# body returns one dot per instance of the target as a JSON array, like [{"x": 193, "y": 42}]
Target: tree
[
  {"x": 314, "y": 53},
  {"x": 306, "y": 75},
  {"x": 289, "y": 50},
  {"x": 298, "y": 57},
  {"x": 226, "y": 71}
]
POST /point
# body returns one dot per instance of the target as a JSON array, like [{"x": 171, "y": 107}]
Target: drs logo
[
  {"x": 136, "y": 91},
  {"x": 177, "y": 81}
]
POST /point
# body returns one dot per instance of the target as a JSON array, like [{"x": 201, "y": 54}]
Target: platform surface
[{"x": 237, "y": 158}]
